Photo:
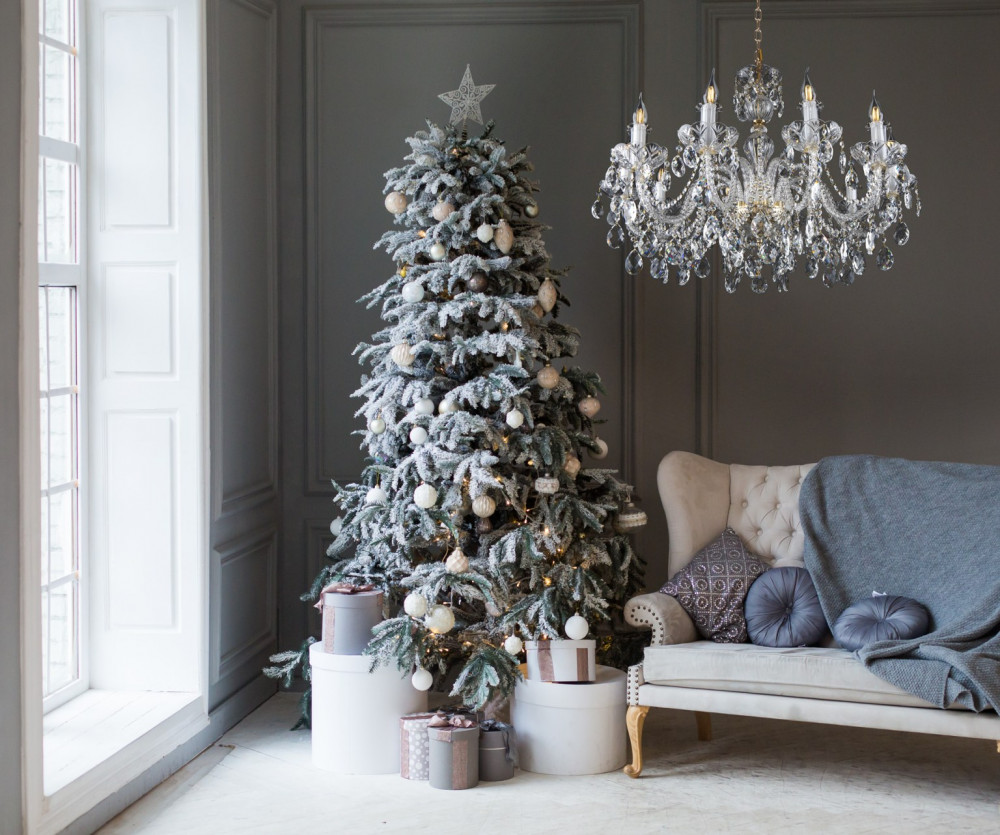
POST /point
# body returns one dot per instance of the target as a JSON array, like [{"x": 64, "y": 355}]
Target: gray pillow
[
  {"x": 880, "y": 618},
  {"x": 782, "y": 609},
  {"x": 714, "y": 585}
]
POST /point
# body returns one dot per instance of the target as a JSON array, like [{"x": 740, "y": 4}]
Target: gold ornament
[
  {"x": 630, "y": 518},
  {"x": 503, "y": 237},
  {"x": 395, "y": 202},
  {"x": 548, "y": 295},
  {"x": 537, "y": 310},
  {"x": 442, "y": 211},
  {"x": 548, "y": 377},
  {"x": 531, "y": 210},
  {"x": 589, "y": 406},
  {"x": 571, "y": 465}
]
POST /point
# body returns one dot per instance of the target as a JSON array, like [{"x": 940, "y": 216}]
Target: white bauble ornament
[
  {"x": 601, "y": 451},
  {"x": 515, "y": 417},
  {"x": 483, "y": 506},
  {"x": 376, "y": 426},
  {"x": 438, "y": 252},
  {"x": 376, "y": 495},
  {"x": 336, "y": 526},
  {"x": 440, "y": 619},
  {"x": 457, "y": 562},
  {"x": 577, "y": 628},
  {"x": 446, "y": 406},
  {"x": 571, "y": 465},
  {"x": 589, "y": 406},
  {"x": 548, "y": 295},
  {"x": 415, "y": 605},
  {"x": 402, "y": 354},
  {"x": 513, "y": 645},
  {"x": 531, "y": 210},
  {"x": 413, "y": 292},
  {"x": 395, "y": 202},
  {"x": 424, "y": 406},
  {"x": 422, "y": 679},
  {"x": 418, "y": 435},
  {"x": 548, "y": 377},
  {"x": 425, "y": 496},
  {"x": 503, "y": 237},
  {"x": 485, "y": 233},
  {"x": 547, "y": 485},
  {"x": 442, "y": 211}
]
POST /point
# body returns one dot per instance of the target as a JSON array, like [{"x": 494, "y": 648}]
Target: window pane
[
  {"x": 44, "y": 420},
  {"x": 58, "y": 94},
  {"x": 62, "y": 449},
  {"x": 45, "y": 643},
  {"x": 43, "y": 341},
  {"x": 60, "y": 343},
  {"x": 55, "y": 19},
  {"x": 59, "y": 193},
  {"x": 45, "y": 540},
  {"x": 62, "y": 534},
  {"x": 61, "y": 659}
]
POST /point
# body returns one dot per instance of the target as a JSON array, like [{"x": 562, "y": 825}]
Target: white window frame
[
  {"x": 75, "y": 276},
  {"x": 182, "y": 720}
]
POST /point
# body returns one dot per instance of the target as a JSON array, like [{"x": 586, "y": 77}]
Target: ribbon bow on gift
[
  {"x": 341, "y": 587},
  {"x": 442, "y": 720}
]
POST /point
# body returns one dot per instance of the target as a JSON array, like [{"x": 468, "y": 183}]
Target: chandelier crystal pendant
[{"x": 762, "y": 210}]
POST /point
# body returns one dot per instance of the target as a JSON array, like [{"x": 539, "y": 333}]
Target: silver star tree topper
[{"x": 465, "y": 100}]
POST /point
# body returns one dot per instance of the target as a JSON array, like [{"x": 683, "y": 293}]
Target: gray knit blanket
[{"x": 929, "y": 531}]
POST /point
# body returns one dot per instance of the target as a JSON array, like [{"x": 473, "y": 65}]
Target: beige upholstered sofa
[{"x": 809, "y": 684}]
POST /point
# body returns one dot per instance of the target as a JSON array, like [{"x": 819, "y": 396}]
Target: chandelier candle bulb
[
  {"x": 708, "y": 108},
  {"x": 810, "y": 112},
  {"x": 639, "y": 125},
  {"x": 877, "y": 127}
]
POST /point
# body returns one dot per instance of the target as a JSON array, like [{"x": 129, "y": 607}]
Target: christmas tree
[{"x": 474, "y": 513}]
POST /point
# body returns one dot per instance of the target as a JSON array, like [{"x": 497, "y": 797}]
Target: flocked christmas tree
[{"x": 474, "y": 513}]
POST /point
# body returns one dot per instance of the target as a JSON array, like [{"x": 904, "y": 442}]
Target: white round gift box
[
  {"x": 571, "y": 728},
  {"x": 355, "y": 714}
]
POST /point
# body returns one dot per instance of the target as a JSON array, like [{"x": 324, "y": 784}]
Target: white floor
[{"x": 754, "y": 776}]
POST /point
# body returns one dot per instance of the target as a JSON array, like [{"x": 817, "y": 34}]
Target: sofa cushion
[
  {"x": 713, "y": 587},
  {"x": 782, "y": 609},
  {"x": 882, "y": 617},
  {"x": 806, "y": 672}
]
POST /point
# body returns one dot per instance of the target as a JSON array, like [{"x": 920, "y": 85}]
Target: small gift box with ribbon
[
  {"x": 349, "y": 613},
  {"x": 497, "y": 750},
  {"x": 562, "y": 660},
  {"x": 414, "y": 747},
  {"x": 454, "y": 751}
]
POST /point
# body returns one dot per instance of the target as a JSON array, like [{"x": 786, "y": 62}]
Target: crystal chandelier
[{"x": 762, "y": 210}]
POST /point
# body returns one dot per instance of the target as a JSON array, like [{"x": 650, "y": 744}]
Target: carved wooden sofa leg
[
  {"x": 704, "y": 721},
  {"x": 634, "y": 719}
]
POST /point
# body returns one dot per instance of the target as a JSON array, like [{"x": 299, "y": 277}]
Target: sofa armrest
[{"x": 664, "y": 615}]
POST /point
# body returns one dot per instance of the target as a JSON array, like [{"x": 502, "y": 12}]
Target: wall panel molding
[
  {"x": 626, "y": 15},
  {"x": 243, "y": 585},
  {"x": 230, "y": 500}
]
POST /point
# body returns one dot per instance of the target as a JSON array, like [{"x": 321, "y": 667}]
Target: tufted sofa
[{"x": 809, "y": 684}]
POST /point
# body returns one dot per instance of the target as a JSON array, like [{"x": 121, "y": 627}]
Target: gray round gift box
[
  {"x": 454, "y": 757},
  {"x": 348, "y": 620},
  {"x": 494, "y": 762}
]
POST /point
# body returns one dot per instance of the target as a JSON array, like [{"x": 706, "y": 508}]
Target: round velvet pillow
[
  {"x": 782, "y": 609},
  {"x": 882, "y": 618}
]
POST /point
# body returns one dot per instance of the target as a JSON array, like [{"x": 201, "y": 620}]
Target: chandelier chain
[{"x": 758, "y": 36}]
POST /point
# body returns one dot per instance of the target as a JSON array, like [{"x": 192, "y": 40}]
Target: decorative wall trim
[
  {"x": 246, "y": 497},
  {"x": 263, "y": 540},
  {"x": 713, "y": 13},
  {"x": 628, "y": 15}
]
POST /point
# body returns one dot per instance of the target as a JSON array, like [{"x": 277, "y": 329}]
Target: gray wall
[
  {"x": 242, "y": 134},
  {"x": 900, "y": 364},
  {"x": 10, "y": 504}
]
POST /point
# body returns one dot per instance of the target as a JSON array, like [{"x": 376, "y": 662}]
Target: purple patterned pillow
[{"x": 713, "y": 587}]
